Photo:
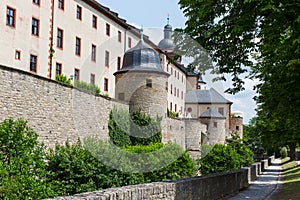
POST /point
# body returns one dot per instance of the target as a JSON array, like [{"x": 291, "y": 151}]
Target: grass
[{"x": 291, "y": 182}]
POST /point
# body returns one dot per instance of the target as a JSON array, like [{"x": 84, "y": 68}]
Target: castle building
[{"x": 88, "y": 42}]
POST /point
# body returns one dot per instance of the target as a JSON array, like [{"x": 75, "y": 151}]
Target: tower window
[
  {"x": 61, "y": 4},
  {"x": 76, "y": 74},
  {"x": 92, "y": 79},
  {"x": 58, "y": 70},
  {"x": 10, "y": 17},
  {"x": 237, "y": 128},
  {"x": 148, "y": 83},
  {"x": 94, "y": 21},
  {"x": 119, "y": 36},
  {"x": 77, "y": 46},
  {"x": 79, "y": 12},
  {"x": 37, "y": 2},
  {"x": 221, "y": 110},
  {"x": 35, "y": 27},
  {"x": 33, "y": 63},
  {"x": 215, "y": 124},
  {"x": 107, "y": 29},
  {"x": 18, "y": 55},
  {"x": 105, "y": 84},
  {"x": 93, "y": 53},
  {"x": 60, "y": 38},
  {"x": 119, "y": 63},
  {"x": 106, "y": 58}
]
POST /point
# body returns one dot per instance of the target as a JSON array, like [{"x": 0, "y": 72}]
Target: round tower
[
  {"x": 167, "y": 44},
  {"x": 141, "y": 82}
]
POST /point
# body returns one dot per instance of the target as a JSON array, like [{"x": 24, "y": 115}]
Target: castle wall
[
  {"x": 58, "y": 112},
  {"x": 55, "y": 111}
]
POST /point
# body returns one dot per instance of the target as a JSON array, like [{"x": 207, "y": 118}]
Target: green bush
[
  {"x": 22, "y": 174},
  {"x": 134, "y": 129},
  {"x": 87, "y": 86},
  {"x": 63, "y": 79},
  {"x": 283, "y": 152},
  {"x": 144, "y": 130},
  {"x": 220, "y": 159},
  {"x": 243, "y": 150},
  {"x": 119, "y": 127},
  {"x": 172, "y": 114}
]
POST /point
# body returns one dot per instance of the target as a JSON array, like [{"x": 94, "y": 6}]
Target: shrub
[
  {"x": 244, "y": 152},
  {"x": 87, "y": 86},
  {"x": 22, "y": 174},
  {"x": 63, "y": 79},
  {"x": 144, "y": 130},
  {"x": 172, "y": 114},
  {"x": 220, "y": 159},
  {"x": 283, "y": 152},
  {"x": 119, "y": 127},
  {"x": 134, "y": 129},
  {"x": 155, "y": 162}
]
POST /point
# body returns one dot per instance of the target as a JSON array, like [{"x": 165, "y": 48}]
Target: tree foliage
[
  {"x": 264, "y": 37},
  {"x": 221, "y": 158},
  {"x": 22, "y": 174}
]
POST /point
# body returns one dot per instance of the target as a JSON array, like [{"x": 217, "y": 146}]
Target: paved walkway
[{"x": 266, "y": 184}]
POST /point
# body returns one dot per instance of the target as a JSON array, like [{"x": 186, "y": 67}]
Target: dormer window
[{"x": 148, "y": 83}]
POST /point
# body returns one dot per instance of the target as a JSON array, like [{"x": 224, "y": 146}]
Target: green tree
[
  {"x": 220, "y": 159},
  {"x": 22, "y": 174},
  {"x": 262, "y": 36}
]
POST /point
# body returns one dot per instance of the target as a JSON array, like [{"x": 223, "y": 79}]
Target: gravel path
[{"x": 266, "y": 184}]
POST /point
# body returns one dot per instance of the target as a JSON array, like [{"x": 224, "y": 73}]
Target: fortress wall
[{"x": 55, "y": 111}]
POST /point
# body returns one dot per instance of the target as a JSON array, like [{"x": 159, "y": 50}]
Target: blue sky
[{"x": 152, "y": 16}]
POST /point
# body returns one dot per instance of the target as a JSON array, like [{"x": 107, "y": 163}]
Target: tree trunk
[{"x": 292, "y": 151}]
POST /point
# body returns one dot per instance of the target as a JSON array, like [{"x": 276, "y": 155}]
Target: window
[
  {"x": 215, "y": 124},
  {"x": 221, "y": 110},
  {"x": 106, "y": 58},
  {"x": 171, "y": 106},
  {"x": 181, "y": 94},
  {"x": 35, "y": 27},
  {"x": 167, "y": 86},
  {"x": 175, "y": 107},
  {"x": 76, "y": 74},
  {"x": 60, "y": 38},
  {"x": 93, "y": 55},
  {"x": 77, "y": 46},
  {"x": 121, "y": 96},
  {"x": 119, "y": 63},
  {"x": 61, "y": 4},
  {"x": 148, "y": 83},
  {"x": 37, "y": 2},
  {"x": 94, "y": 21},
  {"x": 33, "y": 63},
  {"x": 171, "y": 89},
  {"x": 58, "y": 69},
  {"x": 107, "y": 29},
  {"x": 92, "y": 79},
  {"x": 105, "y": 84},
  {"x": 119, "y": 36},
  {"x": 171, "y": 71},
  {"x": 18, "y": 55},
  {"x": 167, "y": 67},
  {"x": 129, "y": 42},
  {"x": 237, "y": 128},
  {"x": 177, "y": 92},
  {"x": 79, "y": 12},
  {"x": 11, "y": 17}
]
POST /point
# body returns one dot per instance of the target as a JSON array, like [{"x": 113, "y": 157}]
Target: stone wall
[{"x": 55, "y": 111}]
